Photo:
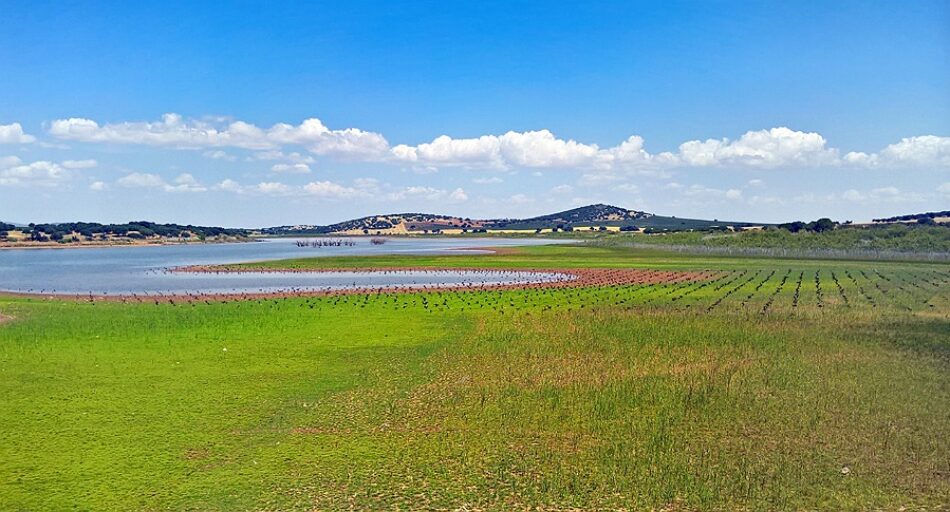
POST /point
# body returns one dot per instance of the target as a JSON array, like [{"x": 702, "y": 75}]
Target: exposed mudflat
[{"x": 545, "y": 278}]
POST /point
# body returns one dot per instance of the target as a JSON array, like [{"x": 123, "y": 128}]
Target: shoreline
[{"x": 580, "y": 278}]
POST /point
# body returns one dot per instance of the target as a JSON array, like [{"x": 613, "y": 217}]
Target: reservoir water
[{"x": 144, "y": 269}]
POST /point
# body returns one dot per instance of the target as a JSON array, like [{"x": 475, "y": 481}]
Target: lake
[{"x": 144, "y": 269}]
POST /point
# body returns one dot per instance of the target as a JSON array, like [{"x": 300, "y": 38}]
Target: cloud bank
[{"x": 774, "y": 148}]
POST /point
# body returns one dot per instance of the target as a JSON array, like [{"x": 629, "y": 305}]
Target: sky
[{"x": 258, "y": 114}]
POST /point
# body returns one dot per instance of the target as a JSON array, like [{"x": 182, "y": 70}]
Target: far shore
[{"x": 141, "y": 243}]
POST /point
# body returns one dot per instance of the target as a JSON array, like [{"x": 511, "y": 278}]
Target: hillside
[{"x": 596, "y": 216}]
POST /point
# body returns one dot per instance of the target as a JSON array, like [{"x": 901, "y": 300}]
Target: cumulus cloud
[
  {"x": 774, "y": 148},
  {"x": 538, "y": 149},
  {"x": 13, "y": 134},
  {"x": 42, "y": 173},
  {"x": 174, "y": 131},
  {"x": 922, "y": 151},
  {"x": 778, "y": 147}
]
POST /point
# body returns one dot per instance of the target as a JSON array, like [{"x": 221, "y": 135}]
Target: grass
[
  {"x": 894, "y": 237},
  {"x": 756, "y": 390}
]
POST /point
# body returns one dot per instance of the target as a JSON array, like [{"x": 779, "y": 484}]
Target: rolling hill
[{"x": 596, "y": 216}]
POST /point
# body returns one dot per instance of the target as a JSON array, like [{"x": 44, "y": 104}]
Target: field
[
  {"x": 900, "y": 238},
  {"x": 770, "y": 384}
]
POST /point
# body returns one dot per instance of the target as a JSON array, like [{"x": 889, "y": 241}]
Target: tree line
[{"x": 135, "y": 230}]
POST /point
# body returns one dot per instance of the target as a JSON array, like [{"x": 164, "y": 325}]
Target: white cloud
[
  {"x": 921, "y": 151},
  {"x": 944, "y": 189},
  {"x": 562, "y": 189},
  {"x": 444, "y": 150},
  {"x": 773, "y": 148},
  {"x": 98, "y": 186},
  {"x": 538, "y": 149},
  {"x": 183, "y": 183},
  {"x": 13, "y": 134},
  {"x": 291, "y": 168},
  {"x": 778, "y": 147},
  {"x": 174, "y": 131},
  {"x": 80, "y": 164},
  {"x": 42, "y": 173}
]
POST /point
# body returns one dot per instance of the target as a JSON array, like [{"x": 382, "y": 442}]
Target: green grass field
[{"x": 776, "y": 384}]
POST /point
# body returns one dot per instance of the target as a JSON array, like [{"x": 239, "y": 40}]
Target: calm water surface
[{"x": 143, "y": 270}]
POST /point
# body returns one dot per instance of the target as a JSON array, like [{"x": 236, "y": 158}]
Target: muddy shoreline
[{"x": 579, "y": 278}]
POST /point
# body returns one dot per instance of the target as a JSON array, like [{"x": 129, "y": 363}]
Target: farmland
[{"x": 760, "y": 384}]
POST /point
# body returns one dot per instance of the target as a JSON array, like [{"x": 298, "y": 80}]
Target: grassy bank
[{"x": 777, "y": 384}]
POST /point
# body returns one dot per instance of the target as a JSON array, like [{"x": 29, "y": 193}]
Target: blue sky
[{"x": 197, "y": 111}]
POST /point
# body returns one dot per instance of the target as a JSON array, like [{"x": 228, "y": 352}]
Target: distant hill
[
  {"x": 96, "y": 233},
  {"x": 596, "y": 217},
  {"x": 926, "y": 217}
]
